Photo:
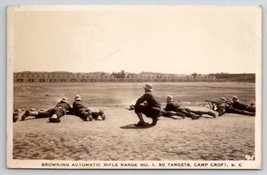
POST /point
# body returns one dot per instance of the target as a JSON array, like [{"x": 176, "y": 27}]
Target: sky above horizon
[{"x": 169, "y": 39}]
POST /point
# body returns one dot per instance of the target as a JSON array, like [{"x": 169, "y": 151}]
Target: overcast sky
[{"x": 167, "y": 39}]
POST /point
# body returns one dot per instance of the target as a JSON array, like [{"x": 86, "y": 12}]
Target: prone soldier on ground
[
  {"x": 223, "y": 106},
  {"x": 83, "y": 111},
  {"x": 242, "y": 106},
  {"x": 173, "y": 108},
  {"x": 54, "y": 114}
]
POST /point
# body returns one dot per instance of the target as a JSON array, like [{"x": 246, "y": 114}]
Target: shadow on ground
[{"x": 135, "y": 126}]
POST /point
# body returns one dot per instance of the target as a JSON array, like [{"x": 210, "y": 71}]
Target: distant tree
[
  {"x": 194, "y": 75},
  {"x": 122, "y": 74},
  {"x": 114, "y": 74}
]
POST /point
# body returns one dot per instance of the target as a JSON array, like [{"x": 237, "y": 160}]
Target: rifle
[{"x": 211, "y": 104}]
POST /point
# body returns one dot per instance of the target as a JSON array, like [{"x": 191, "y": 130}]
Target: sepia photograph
[{"x": 134, "y": 86}]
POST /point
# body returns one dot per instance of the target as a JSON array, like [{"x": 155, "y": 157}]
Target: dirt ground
[{"x": 230, "y": 137}]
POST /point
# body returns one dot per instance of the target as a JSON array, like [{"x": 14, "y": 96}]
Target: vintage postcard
[{"x": 134, "y": 87}]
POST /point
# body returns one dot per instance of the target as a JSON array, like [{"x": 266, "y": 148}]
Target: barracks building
[{"x": 43, "y": 77}]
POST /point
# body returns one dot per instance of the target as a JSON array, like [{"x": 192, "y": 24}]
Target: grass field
[
  {"x": 45, "y": 95},
  {"x": 230, "y": 137}
]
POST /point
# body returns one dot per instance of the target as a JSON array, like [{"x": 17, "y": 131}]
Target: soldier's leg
[
  {"x": 251, "y": 109},
  {"x": 204, "y": 112},
  {"x": 232, "y": 110},
  {"x": 83, "y": 114},
  {"x": 139, "y": 109},
  {"x": 100, "y": 113},
  {"x": 168, "y": 113},
  {"x": 45, "y": 114},
  {"x": 180, "y": 114},
  {"x": 154, "y": 121},
  {"x": 222, "y": 110},
  {"x": 194, "y": 116},
  {"x": 247, "y": 113},
  {"x": 95, "y": 115},
  {"x": 89, "y": 114},
  {"x": 155, "y": 114},
  {"x": 172, "y": 113},
  {"x": 141, "y": 120},
  {"x": 237, "y": 111},
  {"x": 28, "y": 113},
  {"x": 190, "y": 114},
  {"x": 58, "y": 113}
]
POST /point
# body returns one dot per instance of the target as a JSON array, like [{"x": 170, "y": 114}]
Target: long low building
[{"x": 98, "y": 77}]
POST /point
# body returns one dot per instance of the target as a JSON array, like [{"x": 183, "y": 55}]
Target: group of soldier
[
  {"x": 150, "y": 107},
  {"x": 63, "y": 107},
  {"x": 147, "y": 104},
  {"x": 234, "y": 106}
]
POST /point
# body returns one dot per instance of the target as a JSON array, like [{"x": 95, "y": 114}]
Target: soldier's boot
[
  {"x": 29, "y": 113},
  {"x": 141, "y": 120},
  {"x": 154, "y": 121}
]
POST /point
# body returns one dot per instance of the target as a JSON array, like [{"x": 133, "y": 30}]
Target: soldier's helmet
[
  {"x": 234, "y": 98},
  {"x": 77, "y": 98},
  {"x": 169, "y": 98},
  {"x": 148, "y": 87},
  {"x": 64, "y": 99}
]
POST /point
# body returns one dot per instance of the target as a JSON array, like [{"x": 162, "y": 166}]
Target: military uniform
[
  {"x": 151, "y": 108},
  {"x": 54, "y": 114},
  {"x": 182, "y": 111},
  {"x": 81, "y": 110}
]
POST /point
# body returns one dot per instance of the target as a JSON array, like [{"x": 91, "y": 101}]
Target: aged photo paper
[{"x": 134, "y": 87}]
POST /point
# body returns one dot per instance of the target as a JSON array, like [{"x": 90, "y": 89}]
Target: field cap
[
  {"x": 223, "y": 99},
  {"x": 148, "y": 87},
  {"x": 235, "y": 98},
  {"x": 77, "y": 98},
  {"x": 64, "y": 99},
  {"x": 169, "y": 98}
]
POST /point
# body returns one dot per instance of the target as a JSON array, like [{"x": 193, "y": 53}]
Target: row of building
[{"x": 96, "y": 77}]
